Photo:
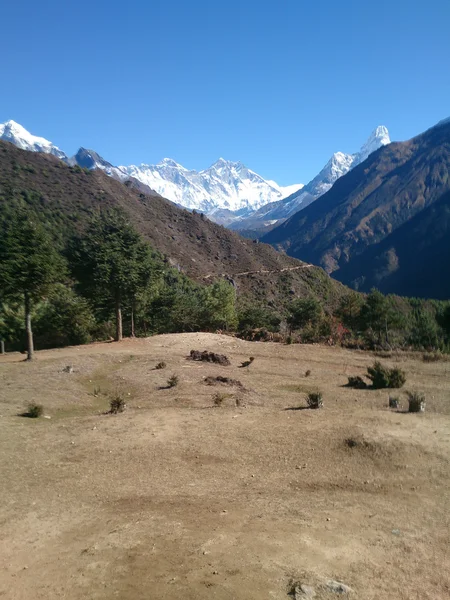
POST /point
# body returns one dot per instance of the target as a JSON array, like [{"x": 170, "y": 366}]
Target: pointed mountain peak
[
  {"x": 379, "y": 137},
  {"x": 13, "y": 132},
  {"x": 169, "y": 162}
]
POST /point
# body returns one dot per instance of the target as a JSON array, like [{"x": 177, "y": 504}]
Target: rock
[
  {"x": 304, "y": 591},
  {"x": 337, "y": 587}
]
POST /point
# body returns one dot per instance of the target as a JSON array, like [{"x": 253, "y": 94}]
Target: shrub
[
  {"x": 314, "y": 400},
  {"x": 416, "y": 402},
  {"x": 356, "y": 382},
  {"x": 383, "y": 377},
  {"x": 397, "y": 378},
  {"x": 219, "y": 398},
  {"x": 308, "y": 373},
  {"x": 161, "y": 365},
  {"x": 173, "y": 381},
  {"x": 434, "y": 357},
  {"x": 394, "y": 402},
  {"x": 117, "y": 404},
  {"x": 34, "y": 411}
]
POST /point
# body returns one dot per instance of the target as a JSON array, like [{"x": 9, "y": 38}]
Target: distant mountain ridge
[
  {"x": 225, "y": 185},
  {"x": 338, "y": 165},
  {"x": 367, "y": 229}
]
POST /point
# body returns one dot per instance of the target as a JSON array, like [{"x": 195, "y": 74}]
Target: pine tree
[
  {"x": 29, "y": 264},
  {"x": 111, "y": 262}
]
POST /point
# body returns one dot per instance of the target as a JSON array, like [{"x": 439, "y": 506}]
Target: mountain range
[
  {"x": 339, "y": 164},
  {"x": 67, "y": 195},
  {"x": 385, "y": 223},
  {"x": 228, "y": 192}
]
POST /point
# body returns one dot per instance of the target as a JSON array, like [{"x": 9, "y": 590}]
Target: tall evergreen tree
[
  {"x": 29, "y": 264},
  {"x": 111, "y": 262}
]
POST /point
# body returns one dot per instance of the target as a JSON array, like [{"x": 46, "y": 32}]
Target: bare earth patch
[{"x": 173, "y": 499}]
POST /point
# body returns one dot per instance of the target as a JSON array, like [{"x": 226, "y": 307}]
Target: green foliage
[
  {"x": 64, "y": 318},
  {"x": 314, "y": 400},
  {"x": 29, "y": 262},
  {"x": 416, "y": 402},
  {"x": 173, "y": 381},
  {"x": 34, "y": 411},
  {"x": 111, "y": 262},
  {"x": 255, "y": 317},
  {"x": 384, "y": 377},
  {"x": 219, "y": 306},
  {"x": 117, "y": 404},
  {"x": 303, "y": 312}
]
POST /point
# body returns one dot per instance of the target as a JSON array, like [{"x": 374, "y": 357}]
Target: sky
[{"x": 276, "y": 84}]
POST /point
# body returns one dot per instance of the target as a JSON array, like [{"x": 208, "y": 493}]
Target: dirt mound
[
  {"x": 225, "y": 380},
  {"x": 211, "y": 357}
]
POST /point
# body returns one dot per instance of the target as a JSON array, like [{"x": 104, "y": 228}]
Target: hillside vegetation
[{"x": 353, "y": 231}]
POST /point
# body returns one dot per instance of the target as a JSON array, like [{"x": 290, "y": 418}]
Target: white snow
[
  {"x": 20, "y": 137},
  {"x": 224, "y": 185}
]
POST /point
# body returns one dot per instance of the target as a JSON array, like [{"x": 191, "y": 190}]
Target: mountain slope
[
  {"x": 389, "y": 188},
  {"x": 411, "y": 261},
  {"x": 338, "y": 165},
  {"x": 199, "y": 247}
]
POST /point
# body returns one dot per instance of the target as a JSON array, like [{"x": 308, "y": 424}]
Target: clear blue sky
[{"x": 279, "y": 85}]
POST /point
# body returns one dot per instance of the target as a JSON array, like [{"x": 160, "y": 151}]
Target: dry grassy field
[{"x": 178, "y": 497}]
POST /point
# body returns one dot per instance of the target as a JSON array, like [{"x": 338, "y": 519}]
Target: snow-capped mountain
[
  {"x": 338, "y": 165},
  {"x": 89, "y": 159},
  {"x": 20, "y": 137},
  {"x": 225, "y": 185}
]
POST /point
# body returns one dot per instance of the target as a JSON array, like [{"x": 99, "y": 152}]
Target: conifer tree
[
  {"x": 29, "y": 264},
  {"x": 111, "y": 262}
]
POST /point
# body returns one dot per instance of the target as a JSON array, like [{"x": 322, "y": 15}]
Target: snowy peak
[
  {"x": 379, "y": 137},
  {"x": 224, "y": 185},
  {"x": 10, "y": 131}
]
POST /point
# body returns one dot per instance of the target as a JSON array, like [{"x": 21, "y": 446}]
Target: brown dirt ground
[{"x": 176, "y": 498}]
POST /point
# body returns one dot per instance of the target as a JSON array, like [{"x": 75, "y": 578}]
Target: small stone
[
  {"x": 47, "y": 417},
  {"x": 328, "y": 519},
  {"x": 215, "y": 572},
  {"x": 337, "y": 587},
  {"x": 396, "y": 532},
  {"x": 304, "y": 591}
]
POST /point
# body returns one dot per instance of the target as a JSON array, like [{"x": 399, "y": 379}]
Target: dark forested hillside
[
  {"x": 369, "y": 204},
  {"x": 66, "y": 196}
]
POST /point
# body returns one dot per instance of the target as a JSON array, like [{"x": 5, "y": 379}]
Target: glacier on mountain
[
  {"x": 225, "y": 185},
  {"x": 20, "y": 137}
]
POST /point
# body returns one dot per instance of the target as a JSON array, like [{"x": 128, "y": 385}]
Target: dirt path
[{"x": 265, "y": 271}]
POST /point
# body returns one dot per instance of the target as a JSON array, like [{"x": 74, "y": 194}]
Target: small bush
[
  {"x": 356, "y": 382},
  {"x": 97, "y": 390},
  {"x": 383, "y": 377},
  {"x": 117, "y": 404},
  {"x": 314, "y": 400},
  {"x": 219, "y": 398},
  {"x": 173, "y": 381},
  {"x": 394, "y": 402},
  {"x": 397, "y": 378},
  {"x": 435, "y": 357},
  {"x": 161, "y": 365},
  {"x": 416, "y": 402},
  {"x": 34, "y": 411},
  {"x": 307, "y": 373}
]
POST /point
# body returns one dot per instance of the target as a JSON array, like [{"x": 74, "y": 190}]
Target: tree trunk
[
  {"x": 118, "y": 319},
  {"x": 30, "y": 344},
  {"x": 2, "y": 347},
  {"x": 133, "y": 334}
]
